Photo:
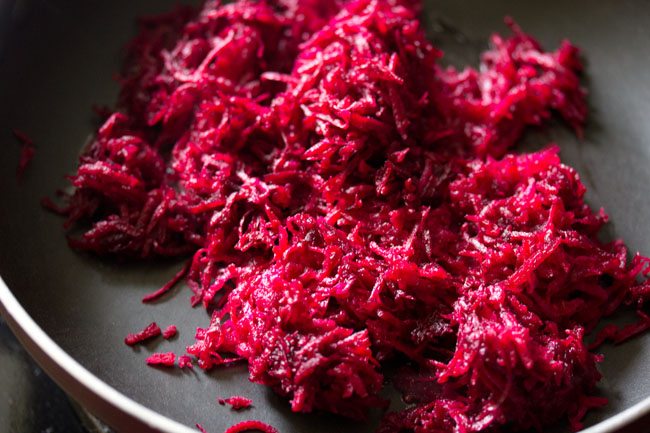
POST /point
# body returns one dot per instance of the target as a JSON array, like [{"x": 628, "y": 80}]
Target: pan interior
[{"x": 59, "y": 61}]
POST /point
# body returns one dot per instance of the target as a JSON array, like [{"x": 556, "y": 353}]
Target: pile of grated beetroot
[{"x": 350, "y": 204}]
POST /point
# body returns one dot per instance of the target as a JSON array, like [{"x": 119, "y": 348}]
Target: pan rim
[
  {"x": 101, "y": 399},
  {"x": 124, "y": 413}
]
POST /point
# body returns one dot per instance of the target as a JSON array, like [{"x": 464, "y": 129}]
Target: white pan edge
[{"x": 112, "y": 407}]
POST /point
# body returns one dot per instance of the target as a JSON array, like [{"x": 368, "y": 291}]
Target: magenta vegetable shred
[
  {"x": 170, "y": 332},
  {"x": 251, "y": 426},
  {"x": 237, "y": 402},
  {"x": 349, "y": 204},
  {"x": 167, "y": 359},
  {"x": 27, "y": 152},
  {"x": 185, "y": 361},
  {"x": 151, "y": 331}
]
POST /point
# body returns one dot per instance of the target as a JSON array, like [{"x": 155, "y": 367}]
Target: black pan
[{"x": 72, "y": 311}]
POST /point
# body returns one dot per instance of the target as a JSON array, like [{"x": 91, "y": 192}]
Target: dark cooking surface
[
  {"x": 60, "y": 60},
  {"x": 29, "y": 401}
]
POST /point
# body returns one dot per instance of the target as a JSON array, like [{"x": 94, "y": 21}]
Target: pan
[{"x": 72, "y": 311}]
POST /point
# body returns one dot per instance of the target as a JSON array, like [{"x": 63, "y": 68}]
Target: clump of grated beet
[
  {"x": 167, "y": 359},
  {"x": 170, "y": 332},
  {"x": 151, "y": 331},
  {"x": 350, "y": 203},
  {"x": 517, "y": 85},
  {"x": 236, "y": 402}
]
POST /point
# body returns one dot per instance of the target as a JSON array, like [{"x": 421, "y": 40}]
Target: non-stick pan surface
[{"x": 59, "y": 59}]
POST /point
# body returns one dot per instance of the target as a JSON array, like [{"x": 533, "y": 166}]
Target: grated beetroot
[
  {"x": 252, "y": 425},
  {"x": 349, "y": 204},
  {"x": 162, "y": 359},
  {"x": 27, "y": 152},
  {"x": 170, "y": 332},
  {"x": 167, "y": 287},
  {"x": 185, "y": 361},
  {"x": 151, "y": 331},
  {"x": 236, "y": 402}
]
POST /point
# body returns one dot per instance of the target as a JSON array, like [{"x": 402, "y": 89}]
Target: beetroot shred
[
  {"x": 236, "y": 402},
  {"x": 27, "y": 152},
  {"x": 170, "y": 332},
  {"x": 185, "y": 361},
  {"x": 351, "y": 204},
  {"x": 167, "y": 359},
  {"x": 252, "y": 425},
  {"x": 151, "y": 331}
]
